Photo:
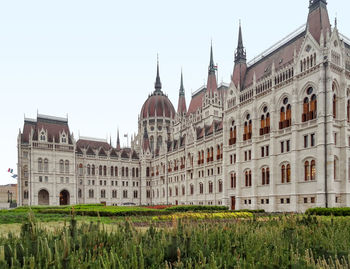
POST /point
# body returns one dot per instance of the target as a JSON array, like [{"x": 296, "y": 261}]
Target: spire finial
[
  {"x": 335, "y": 21},
  {"x": 240, "y": 55},
  {"x": 118, "y": 140},
  {"x": 158, "y": 84},
  {"x": 182, "y": 89},
  {"x": 211, "y": 63}
]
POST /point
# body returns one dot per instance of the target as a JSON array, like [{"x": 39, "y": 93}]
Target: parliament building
[{"x": 277, "y": 137}]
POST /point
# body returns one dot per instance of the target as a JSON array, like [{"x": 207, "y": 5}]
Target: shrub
[
  {"x": 336, "y": 211},
  {"x": 195, "y": 208}
]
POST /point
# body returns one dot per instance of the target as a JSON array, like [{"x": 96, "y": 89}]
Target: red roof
[
  {"x": 196, "y": 102},
  {"x": 53, "y": 126},
  {"x": 85, "y": 143},
  {"x": 158, "y": 105},
  {"x": 182, "y": 105},
  {"x": 317, "y": 21}
]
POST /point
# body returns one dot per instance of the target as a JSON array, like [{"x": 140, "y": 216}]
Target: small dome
[{"x": 157, "y": 105}]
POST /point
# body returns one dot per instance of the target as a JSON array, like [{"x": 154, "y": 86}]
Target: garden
[{"x": 174, "y": 237}]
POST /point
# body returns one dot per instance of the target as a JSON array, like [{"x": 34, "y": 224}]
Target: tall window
[
  {"x": 309, "y": 105},
  {"x": 80, "y": 169},
  {"x": 46, "y": 165},
  {"x": 40, "y": 165},
  {"x": 93, "y": 169},
  {"x": 233, "y": 180},
  {"x": 100, "y": 170},
  {"x": 91, "y": 193},
  {"x": 288, "y": 173},
  {"x": 265, "y": 121},
  {"x": 125, "y": 194},
  {"x": 233, "y": 134},
  {"x": 210, "y": 185},
  {"x": 88, "y": 170},
  {"x": 248, "y": 178},
  {"x": 114, "y": 193},
  {"x": 247, "y": 128},
  {"x": 103, "y": 193},
  {"x": 191, "y": 189},
  {"x": 220, "y": 186},
  {"x": 61, "y": 166},
  {"x": 112, "y": 171},
  {"x": 201, "y": 188},
  {"x": 105, "y": 170},
  {"x": 310, "y": 170},
  {"x": 66, "y": 166},
  {"x": 334, "y": 100},
  {"x": 283, "y": 173},
  {"x": 116, "y": 171},
  {"x": 285, "y": 114},
  {"x": 313, "y": 170},
  {"x": 265, "y": 176}
]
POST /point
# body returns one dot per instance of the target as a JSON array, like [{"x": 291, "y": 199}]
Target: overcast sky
[{"x": 96, "y": 60}]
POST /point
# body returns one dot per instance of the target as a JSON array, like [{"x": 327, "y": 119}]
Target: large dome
[{"x": 158, "y": 104}]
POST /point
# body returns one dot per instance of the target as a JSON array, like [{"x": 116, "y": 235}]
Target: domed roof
[{"x": 158, "y": 104}]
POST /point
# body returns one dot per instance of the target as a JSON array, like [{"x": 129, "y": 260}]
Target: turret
[{"x": 240, "y": 68}]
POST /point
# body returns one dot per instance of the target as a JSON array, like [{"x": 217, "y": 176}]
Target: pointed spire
[
  {"x": 181, "y": 109},
  {"x": 316, "y": 3},
  {"x": 318, "y": 20},
  {"x": 211, "y": 83},
  {"x": 118, "y": 140},
  {"x": 158, "y": 84},
  {"x": 212, "y": 67},
  {"x": 240, "y": 55},
  {"x": 182, "y": 89}
]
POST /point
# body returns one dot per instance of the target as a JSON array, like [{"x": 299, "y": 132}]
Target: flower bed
[{"x": 203, "y": 216}]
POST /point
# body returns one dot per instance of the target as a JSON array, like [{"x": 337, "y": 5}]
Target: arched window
[
  {"x": 247, "y": 128},
  {"x": 313, "y": 170},
  {"x": 248, "y": 178},
  {"x": 123, "y": 171},
  {"x": 334, "y": 100},
  {"x": 283, "y": 173},
  {"x": 233, "y": 134},
  {"x": 218, "y": 152},
  {"x": 306, "y": 171},
  {"x": 220, "y": 186},
  {"x": 61, "y": 166},
  {"x": 170, "y": 192},
  {"x": 288, "y": 173},
  {"x": 66, "y": 165},
  {"x": 183, "y": 190},
  {"x": 348, "y": 110},
  {"x": 88, "y": 170},
  {"x": 137, "y": 172},
  {"x": 116, "y": 171},
  {"x": 147, "y": 171},
  {"x": 191, "y": 189},
  {"x": 80, "y": 169},
  {"x": 163, "y": 192},
  {"x": 263, "y": 176},
  {"x": 93, "y": 169},
  {"x": 201, "y": 189},
  {"x": 25, "y": 195},
  {"x": 176, "y": 191},
  {"x": 112, "y": 171},
  {"x": 40, "y": 165},
  {"x": 133, "y": 172},
  {"x": 267, "y": 176},
  {"x": 91, "y": 193},
  {"x": 46, "y": 165},
  {"x": 233, "y": 180},
  {"x": 265, "y": 121},
  {"x": 335, "y": 168},
  {"x": 210, "y": 185},
  {"x": 309, "y": 105},
  {"x": 285, "y": 114},
  {"x": 114, "y": 193},
  {"x": 103, "y": 193},
  {"x": 100, "y": 170},
  {"x": 79, "y": 193},
  {"x": 127, "y": 172},
  {"x": 105, "y": 170}
]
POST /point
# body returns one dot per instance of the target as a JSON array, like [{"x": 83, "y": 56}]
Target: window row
[
  {"x": 104, "y": 171},
  {"x": 91, "y": 194}
]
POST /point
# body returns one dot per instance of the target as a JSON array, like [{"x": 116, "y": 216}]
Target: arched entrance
[
  {"x": 64, "y": 197},
  {"x": 43, "y": 197}
]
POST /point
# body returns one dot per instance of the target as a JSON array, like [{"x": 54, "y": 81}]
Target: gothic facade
[{"x": 276, "y": 138}]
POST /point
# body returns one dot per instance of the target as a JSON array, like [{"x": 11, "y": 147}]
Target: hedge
[
  {"x": 337, "y": 211},
  {"x": 185, "y": 208}
]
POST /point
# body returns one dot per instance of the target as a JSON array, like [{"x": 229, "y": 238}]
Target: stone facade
[{"x": 276, "y": 138}]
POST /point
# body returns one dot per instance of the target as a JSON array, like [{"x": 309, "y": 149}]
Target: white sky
[{"x": 96, "y": 60}]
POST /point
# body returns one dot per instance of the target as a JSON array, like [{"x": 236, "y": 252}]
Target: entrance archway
[
  {"x": 43, "y": 197},
  {"x": 64, "y": 197}
]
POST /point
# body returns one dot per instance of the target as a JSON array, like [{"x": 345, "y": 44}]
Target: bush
[
  {"x": 337, "y": 211},
  {"x": 195, "y": 208},
  {"x": 251, "y": 211}
]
